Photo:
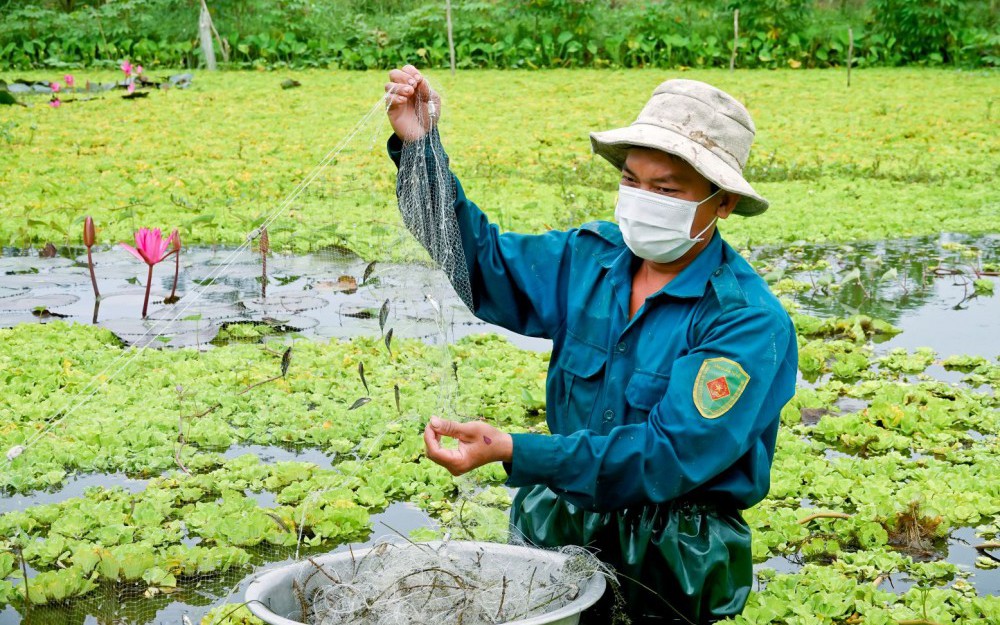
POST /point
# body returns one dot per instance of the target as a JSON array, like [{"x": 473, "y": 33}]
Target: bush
[{"x": 367, "y": 34}]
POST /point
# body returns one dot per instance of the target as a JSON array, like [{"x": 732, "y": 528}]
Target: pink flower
[
  {"x": 131, "y": 87},
  {"x": 150, "y": 246},
  {"x": 55, "y": 103},
  {"x": 127, "y": 68},
  {"x": 70, "y": 81},
  {"x": 55, "y": 87},
  {"x": 138, "y": 69}
]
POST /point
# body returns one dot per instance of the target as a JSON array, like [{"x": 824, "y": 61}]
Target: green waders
[{"x": 694, "y": 558}]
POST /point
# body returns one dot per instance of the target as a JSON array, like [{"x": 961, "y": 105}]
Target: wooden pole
[
  {"x": 850, "y": 53},
  {"x": 451, "y": 39},
  {"x": 205, "y": 34},
  {"x": 736, "y": 38}
]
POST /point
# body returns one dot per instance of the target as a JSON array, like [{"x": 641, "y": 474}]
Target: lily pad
[
  {"x": 31, "y": 302},
  {"x": 284, "y": 304},
  {"x": 150, "y": 333}
]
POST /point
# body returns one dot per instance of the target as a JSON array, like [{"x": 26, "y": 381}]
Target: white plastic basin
[{"x": 271, "y": 598}]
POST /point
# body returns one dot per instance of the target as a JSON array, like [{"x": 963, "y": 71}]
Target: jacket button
[
  {"x": 609, "y": 416},
  {"x": 621, "y": 347}
]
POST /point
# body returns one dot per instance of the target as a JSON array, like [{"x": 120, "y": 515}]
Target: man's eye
[{"x": 665, "y": 190}]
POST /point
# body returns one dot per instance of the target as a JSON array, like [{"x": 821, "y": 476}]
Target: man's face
[{"x": 666, "y": 174}]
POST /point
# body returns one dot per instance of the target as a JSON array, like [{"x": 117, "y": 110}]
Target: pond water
[
  {"x": 326, "y": 295},
  {"x": 930, "y": 298}
]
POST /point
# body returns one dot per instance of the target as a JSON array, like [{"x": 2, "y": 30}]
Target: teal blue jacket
[{"x": 680, "y": 402}]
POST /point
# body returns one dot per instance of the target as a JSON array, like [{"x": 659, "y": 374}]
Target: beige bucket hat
[{"x": 705, "y": 126}]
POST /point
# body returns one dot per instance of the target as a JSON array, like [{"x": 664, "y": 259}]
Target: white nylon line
[{"x": 317, "y": 170}]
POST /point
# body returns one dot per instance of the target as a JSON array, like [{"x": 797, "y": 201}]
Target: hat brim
[{"x": 614, "y": 145}]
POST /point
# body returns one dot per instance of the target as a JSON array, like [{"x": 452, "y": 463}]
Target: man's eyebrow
[{"x": 665, "y": 178}]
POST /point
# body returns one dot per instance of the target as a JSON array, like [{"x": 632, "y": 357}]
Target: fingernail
[
  {"x": 435, "y": 422},
  {"x": 412, "y": 82}
]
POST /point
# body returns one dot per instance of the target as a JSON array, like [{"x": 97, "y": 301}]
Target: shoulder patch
[{"x": 718, "y": 385}]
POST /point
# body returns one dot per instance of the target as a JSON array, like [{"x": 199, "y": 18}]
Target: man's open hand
[{"x": 478, "y": 443}]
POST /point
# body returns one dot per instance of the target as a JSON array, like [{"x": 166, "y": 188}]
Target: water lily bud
[
  {"x": 15, "y": 451},
  {"x": 175, "y": 238},
  {"x": 89, "y": 234},
  {"x": 265, "y": 242}
]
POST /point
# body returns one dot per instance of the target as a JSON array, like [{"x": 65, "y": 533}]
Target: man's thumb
[{"x": 441, "y": 426}]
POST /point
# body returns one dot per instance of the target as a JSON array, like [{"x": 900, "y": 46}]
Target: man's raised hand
[{"x": 414, "y": 107}]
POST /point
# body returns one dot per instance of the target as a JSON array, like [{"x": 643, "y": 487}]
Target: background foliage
[{"x": 367, "y": 34}]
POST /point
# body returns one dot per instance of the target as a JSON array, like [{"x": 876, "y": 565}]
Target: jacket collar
[{"x": 691, "y": 282}]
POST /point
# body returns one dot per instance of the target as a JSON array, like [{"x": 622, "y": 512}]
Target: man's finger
[
  {"x": 401, "y": 77},
  {"x": 444, "y": 427},
  {"x": 397, "y": 88},
  {"x": 432, "y": 441}
]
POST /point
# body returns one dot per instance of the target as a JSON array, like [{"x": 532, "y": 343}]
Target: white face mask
[{"x": 657, "y": 227}]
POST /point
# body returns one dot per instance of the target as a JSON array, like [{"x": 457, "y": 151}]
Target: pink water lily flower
[
  {"x": 70, "y": 81},
  {"x": 127, "y": 68},
  {"x": 150, "y": 248},
  {"x": 55, "y": 103},
  {"x": 138, "y": 69},
  {"x": 131, "y": 87},
  {"x": 55, "y": 87}
]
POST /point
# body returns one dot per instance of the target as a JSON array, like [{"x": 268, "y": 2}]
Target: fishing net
[
  {"x": 441, "y": 582},
  {"x": 266, "y": 410}
]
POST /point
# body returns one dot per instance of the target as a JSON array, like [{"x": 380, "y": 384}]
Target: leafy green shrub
[{"x": 369, "y": 34}]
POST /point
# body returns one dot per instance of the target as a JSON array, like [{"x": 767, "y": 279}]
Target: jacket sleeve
[
  {"x": 518, "y": 281},
  {"x": 678, "y": 448}
]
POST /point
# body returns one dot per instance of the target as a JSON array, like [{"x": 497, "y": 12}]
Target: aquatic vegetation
[{"x": 878, "y": 160}]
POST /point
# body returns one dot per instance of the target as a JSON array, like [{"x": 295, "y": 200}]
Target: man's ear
[{"x": 727, "y": 204}]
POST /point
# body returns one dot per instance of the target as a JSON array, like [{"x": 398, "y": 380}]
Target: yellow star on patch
[{"x": 718, "y": 385}]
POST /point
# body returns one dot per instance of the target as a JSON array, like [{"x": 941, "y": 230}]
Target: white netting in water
[{"x": 434, "y": 583}]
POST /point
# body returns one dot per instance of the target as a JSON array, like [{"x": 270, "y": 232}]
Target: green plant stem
[
  {"x": 93, "y": 277},
  {"x": 149, "y": 284},
  {"x": 177, "y": 272}
]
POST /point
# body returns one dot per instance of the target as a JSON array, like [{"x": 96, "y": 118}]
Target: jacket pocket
[
  {"x": 645, "y": 389},
  {"x": 583, "y": 367}
]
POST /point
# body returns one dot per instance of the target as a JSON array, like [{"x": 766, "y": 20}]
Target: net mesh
[{"x": 266, "y": 410}]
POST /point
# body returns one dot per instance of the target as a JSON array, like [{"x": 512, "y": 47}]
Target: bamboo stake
[
  {"x": 451, "y": 39},
  {"x": 850, "y": 54},
  {"x": 205, "y": 35},
  {"x": 736, "y": 38}
]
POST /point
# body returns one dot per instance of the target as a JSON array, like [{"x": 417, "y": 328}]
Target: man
[{"x": 671, "y": 359}]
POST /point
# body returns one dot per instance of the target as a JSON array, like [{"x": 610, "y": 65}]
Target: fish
[
  {"x": 383, "y": 314},
  {"x": 434, "y": 304},
  {"x": 361, "y": 372},
  {"x": 360, "y": 402},
  {"x": 286, "y": 359},
  {"x": 369, "y": 270}
]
